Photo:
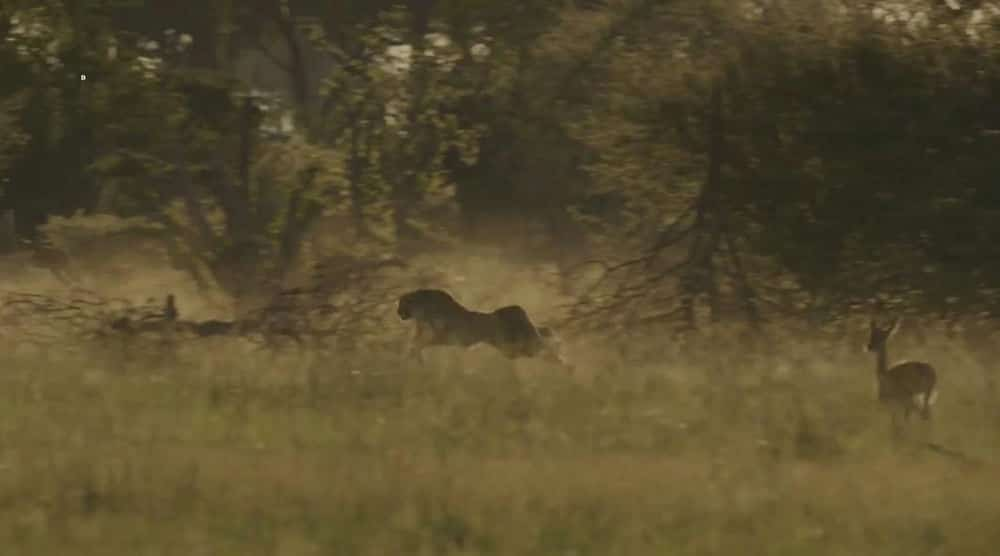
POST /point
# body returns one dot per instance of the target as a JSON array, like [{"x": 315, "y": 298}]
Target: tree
[
  {"x": 776, "y": 145},
  {"x": 49, "y": 51}
]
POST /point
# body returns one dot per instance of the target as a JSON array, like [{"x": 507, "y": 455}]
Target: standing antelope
[{"x": 909, "y": 384}]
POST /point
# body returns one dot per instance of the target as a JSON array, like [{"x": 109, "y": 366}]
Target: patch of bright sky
[
  {"x": 914, "y": 15},
  {"x": 399, "y": 57}
]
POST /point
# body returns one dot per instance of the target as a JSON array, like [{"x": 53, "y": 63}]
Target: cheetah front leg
[{"x": 422, "y": 336}]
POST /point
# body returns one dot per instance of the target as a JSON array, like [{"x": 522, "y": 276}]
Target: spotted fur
[{"x": 442, "y": 321}]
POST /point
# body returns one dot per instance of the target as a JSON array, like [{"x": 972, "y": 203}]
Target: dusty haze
[{"x": 658, "y": 444}]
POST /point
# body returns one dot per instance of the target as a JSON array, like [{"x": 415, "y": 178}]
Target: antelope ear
[{"x": 895, "y": 325}]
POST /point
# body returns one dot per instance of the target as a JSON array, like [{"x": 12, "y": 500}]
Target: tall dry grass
[{"x": 701, "y": 450}]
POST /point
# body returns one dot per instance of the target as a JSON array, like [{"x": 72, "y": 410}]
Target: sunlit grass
[{"x": 218, "y": 452}]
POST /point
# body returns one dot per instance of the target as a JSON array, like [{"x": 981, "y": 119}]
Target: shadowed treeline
[{"x": 748, "y": 160}]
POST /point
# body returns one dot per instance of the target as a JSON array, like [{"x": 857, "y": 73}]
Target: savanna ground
[{"x": 693, "y": 448}]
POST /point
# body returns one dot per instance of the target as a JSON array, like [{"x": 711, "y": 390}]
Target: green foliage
[
  {"x": 853, "y": 153},
  {"x": 69, "y": 64},
  {"x": 801, "y": 155},
  {"x": 12, "y": 138}
]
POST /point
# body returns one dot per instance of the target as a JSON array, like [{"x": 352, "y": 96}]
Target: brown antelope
[
  {"x": 909, "y": 385},
  {"x": 202, "y": 329},
  {"x": 154, "y": 322}
]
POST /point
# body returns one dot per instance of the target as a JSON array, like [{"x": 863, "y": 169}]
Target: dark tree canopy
[{"x": 743, "y": 159}]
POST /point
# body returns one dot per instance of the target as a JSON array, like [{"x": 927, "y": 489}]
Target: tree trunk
[
  {"x": 406, "y": 187},
  {"x": 701, "y": 277}
]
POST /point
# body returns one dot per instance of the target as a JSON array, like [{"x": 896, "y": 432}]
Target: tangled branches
[
  {"x": 695, "y": 262},
  {"x": 46, "y": 321},
  {"x": 345, "y": 306}
]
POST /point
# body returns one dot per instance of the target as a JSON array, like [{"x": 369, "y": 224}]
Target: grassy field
[{"x": 218, "y": 452}]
